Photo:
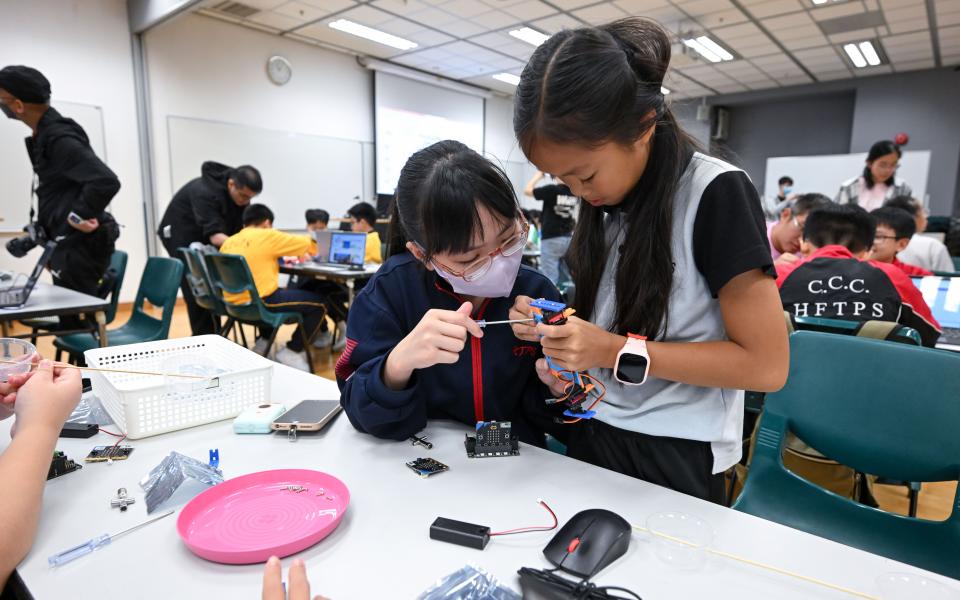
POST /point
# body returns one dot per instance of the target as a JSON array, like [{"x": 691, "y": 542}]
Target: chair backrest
[
  {"x": 885, "y": 409},
  {"x": 230, "y": 274},
  {"x": 118, "y": 264},
  {"x": 159, "y": 284},
  {"x": 882, "y": 330},
  {"x": 199, "y": 281}
]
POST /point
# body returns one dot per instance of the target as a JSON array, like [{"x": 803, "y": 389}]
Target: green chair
[
  {"x": 893, "y": 412},
  {"x": 158, "y": 285},
  {"x": 203, "y": 291},
  {"x": 117, "y": 269},
  {"x": 956, "y": 263},
  {"x": 230, "y": 274}
]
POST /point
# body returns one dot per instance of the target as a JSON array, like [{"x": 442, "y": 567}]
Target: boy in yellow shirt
[
  {"x": 263, "y": 247},
  {"x": 363, "y": 219}
]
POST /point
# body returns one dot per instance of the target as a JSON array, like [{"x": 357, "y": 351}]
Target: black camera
[{"x": 36, "y": 236}]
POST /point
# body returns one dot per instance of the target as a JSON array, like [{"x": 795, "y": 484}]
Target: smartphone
[
  {"x": 258, "y": 418},
  {"x": 309, "y": 415},
  {"x": 74, "y": 218}
]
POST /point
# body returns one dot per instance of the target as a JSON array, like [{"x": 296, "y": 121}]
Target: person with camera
[
  {"x": 207, "y": 210},
  {"x": 73, "y": 188}
]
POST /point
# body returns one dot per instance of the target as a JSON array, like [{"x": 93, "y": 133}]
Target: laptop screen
[
  {"x": 942, "y": 295},
  {"x": 323, "y": 238},
  {"x": 348, "y": 248}
]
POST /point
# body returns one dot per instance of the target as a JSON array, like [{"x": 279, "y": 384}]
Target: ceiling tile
[
  {"x": 529, "y": 10},
  {"x": 905, "y": 26},
  {"x": 463, "y": 28},
  {"x": 431, "y": 17},
  {"x": 806, "y": 42},
  {"x": 835, "y": 11},
  {"x": 725, "y": 17},
  {"x": 914, "y": 65},
  {"x": 367, "y": 15},
  {"x": 329, "y": 6},
  {"x": 871, "y": 4},
  {"x": 555, "y": 23},
  {"x": 400, "y": 7},
  {"x": 275, "y": 20},
  {"x": 833, "y": 75},
  {"x": 758, "y": 51},
  {"x": 949, "y": 19},
  {"x": 907, "y": 13},
  {"x": 634, "y": 7},
  {"x": 572, "y": 4},
  {"x": 737, "y": 31},
  {"x": 465, "y": 8},
  {"x": 788, "y": 21},
  {"x": 428, "y": 37},
  {"x": 772, "y": 8},
  {"x": 868, "y": 71},
  {"x": 302, "y": 12},
  {"x": 853, "y": 36},
  {"x": 261, "y": 4},
  {"x": 600, "y": 13},
  {"x": 697, "y": 8},
  {"x": 495, "y": 19}
]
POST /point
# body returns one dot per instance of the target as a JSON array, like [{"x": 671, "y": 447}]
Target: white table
[
  {"x": 381, "y": 548},
  {"x": 48, "y": 300}
]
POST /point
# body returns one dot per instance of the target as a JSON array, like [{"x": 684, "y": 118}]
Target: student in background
[
  {"x": 559, "y": 207},
  {"x": 414, "y": 351},
  {"x": 207, "y": 210},
  {"x": 669, "y": 257},
  {"x": 923, "y": 251},
  {"x": 40, "y": 402},
  {"x": 363, "y": 219},
  {"x": 878, "y": 182},
  {"x": 784, "y": 234},
  {"x": 773, "y": 206},
  {"x": 317, "y": 219},
  {"x": 263, "y": 247},
  {"x": 533, "y": 238},
  {"x": 835, "y": 281},
  {"x": 894, "y": 229}
]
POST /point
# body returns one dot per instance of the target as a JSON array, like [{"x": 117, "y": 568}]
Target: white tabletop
[
  {"x": 381, "y": 548},
  {"x": 51, "y": 300}
]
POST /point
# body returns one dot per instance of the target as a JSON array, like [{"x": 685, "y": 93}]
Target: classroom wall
[
  {"x": 207, "y": 69},
  {"x": 921, "y": 103},
  {"x": 819, "y": 124},
  {"x": 685, "y": 112},
  {"x": 83, "y": 48}
]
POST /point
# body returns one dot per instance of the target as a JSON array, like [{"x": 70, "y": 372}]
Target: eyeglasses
[
  {"x": 797, "y": 223},
  {"x": 884, "y": 237},
  {"x": 888, "y": 166},
  {"x": 479, "y": 267}
]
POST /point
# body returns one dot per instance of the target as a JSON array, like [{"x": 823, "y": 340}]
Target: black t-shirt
[
  {"x": 729, "y": 232},
  {"x": 558, "y": 206}
]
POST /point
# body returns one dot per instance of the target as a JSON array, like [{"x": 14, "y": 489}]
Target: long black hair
[
  {"x": 438, "y": 197},
  {"x": 881, "y": 148},
  {"x": 596, "y": 85}
]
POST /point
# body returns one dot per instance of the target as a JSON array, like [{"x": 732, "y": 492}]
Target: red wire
[
  {"x": 533, "y": 529},
  {"x": 102, "y": 430}
]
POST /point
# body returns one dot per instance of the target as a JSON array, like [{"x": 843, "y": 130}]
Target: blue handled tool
[
  {"x": 96, "y": 543},
  {"x": 484, "y": 322}
]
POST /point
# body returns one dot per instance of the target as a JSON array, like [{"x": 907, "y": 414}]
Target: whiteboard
[
  {"x": 299, "y": 171},
  {"x": 825, "y": 173},
  {"x": 16, "y": 172}
]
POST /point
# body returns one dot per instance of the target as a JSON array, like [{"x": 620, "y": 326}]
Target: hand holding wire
[
  {"x": 579, "y": 345},
  {"x": 521, "y": 310}
]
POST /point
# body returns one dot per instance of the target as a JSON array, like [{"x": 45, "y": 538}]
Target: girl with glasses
[
  {"x": 414, "y": 349},
  {"x": 878, "y": 181}
]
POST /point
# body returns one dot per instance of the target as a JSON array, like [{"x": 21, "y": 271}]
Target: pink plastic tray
[{"x": 253, "y": 517}]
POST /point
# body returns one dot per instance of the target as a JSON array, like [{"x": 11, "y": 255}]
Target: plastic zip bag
[
  {"x": 90, "y": 410},
  {"x": 469, "y": 583},
  {"x": 164, "y": 481}
]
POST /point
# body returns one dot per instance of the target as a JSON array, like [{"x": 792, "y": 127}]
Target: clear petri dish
[
  {"x": 911, "y": 586},
  {"x": 15, "y": 357},
  {"x": 190, "y": 376},
  {"x": 679, "y": 539}
]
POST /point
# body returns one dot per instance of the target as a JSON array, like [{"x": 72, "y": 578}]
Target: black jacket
[
  {"x": 71, "y": 179},
  {"x": 201, "y": 208}
]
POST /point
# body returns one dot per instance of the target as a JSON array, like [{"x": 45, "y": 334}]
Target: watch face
[{"x": 631, "y": 368}]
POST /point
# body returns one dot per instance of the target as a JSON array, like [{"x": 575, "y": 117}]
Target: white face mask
[{"x": 497, "y": 282}]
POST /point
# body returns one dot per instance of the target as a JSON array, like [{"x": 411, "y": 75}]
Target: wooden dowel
[{"x": 104, "y": 370}]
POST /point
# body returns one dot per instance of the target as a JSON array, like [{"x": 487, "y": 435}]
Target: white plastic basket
[{"x": 144, "y": 405}]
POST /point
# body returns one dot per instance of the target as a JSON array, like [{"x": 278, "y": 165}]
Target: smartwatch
[{"x": 633, "y": 361}]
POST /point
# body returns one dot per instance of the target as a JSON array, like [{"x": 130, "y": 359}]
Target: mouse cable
[
  {"x": 533, "y": 529},
  {"x": 573, "y": 590}
]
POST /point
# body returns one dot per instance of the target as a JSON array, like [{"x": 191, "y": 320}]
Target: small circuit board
[
  {"x": 108, "y": 453},
  {"x": 61, "y": 465},
  {"x": 425, "y": 467},
  {"x": 493, "y": 438}
]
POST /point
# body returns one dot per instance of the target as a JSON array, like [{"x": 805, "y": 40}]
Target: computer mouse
[{"x": 588, "y": 542}]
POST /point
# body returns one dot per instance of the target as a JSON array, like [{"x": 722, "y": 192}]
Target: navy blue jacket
[{"x": 494, "y": 379}]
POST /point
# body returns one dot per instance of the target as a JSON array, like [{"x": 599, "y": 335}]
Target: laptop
[
  {"x": 347, "y": 249},
  {"x": 942, "y": 295},
  {"x": 323, "y": 239},
  {"x": 16, "y": 297}
]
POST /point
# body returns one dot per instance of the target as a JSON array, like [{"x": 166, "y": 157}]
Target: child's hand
[
  {"x": 438, "y": 338},
  {"x": 46, "y": 399},
  {"x": 549, "y": 379},
  {"x": 579, "y": 345},
  {"x": 8, "y": 390},
  {"x": 521, "y": 310},
  {"x": 298, "y": 588}
]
